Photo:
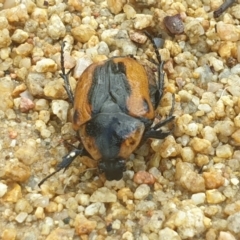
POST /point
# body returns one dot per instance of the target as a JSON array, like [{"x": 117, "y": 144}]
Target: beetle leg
[
  {"x": 66, "y": 162},
  {"x": 68, "y": 159},
  {"x": 65, "y": 76},
  {"x": 157, "y": 133},
  {"x": 160, "y": 72},
  {"x": 223, "y": 8},
  {"x": 169, "y": 118}
]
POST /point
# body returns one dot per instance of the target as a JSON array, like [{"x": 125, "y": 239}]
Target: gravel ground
[{"x": 183, "y": 187}]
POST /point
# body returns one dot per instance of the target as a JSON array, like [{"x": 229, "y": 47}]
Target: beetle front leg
[
  {"x": 65, "y": 163},
  {"x": 65, "y": 76}
]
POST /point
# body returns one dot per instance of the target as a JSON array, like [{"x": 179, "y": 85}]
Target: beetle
[{"x": 113, "y": 111}]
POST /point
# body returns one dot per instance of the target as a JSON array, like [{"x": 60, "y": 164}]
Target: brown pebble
[
  {"x": 83, "y": 225},
  {"x": 189, "y": 179},
  {"x": 138, "y": 37},
  {"x": 174, "y": 24},
  {"x": 143, "y": 177},
  {"x": 12, "y": 134},
  {"x": 14, "y": 193},
  {"x": 9, "y": 234},
  {"x": 125, "y": 194},
  {"x": 52, "y": 207},
  {"x": 26, "y": 104},
  {"x": 17, "y": 171},
  {"x": 60, "y": 233},
  {"x": 77, "y": 5},
  {"x": 236, "y": 136},
  {"x": 169, "y": 148},
  {"x": 18, "y": 90},
  {"x": 213, "y": 180}
]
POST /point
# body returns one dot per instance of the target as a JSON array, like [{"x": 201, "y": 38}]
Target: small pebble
[
  {"x": 224, "y": 151},
  {"x": 174, "y": 24},
  {"x": 55, "y": 27},
  {"x": 201, "y": 145},
  {"x": 83, "y": 225},
  {"x": 39, "y": 213},
  {"x": 60, "y": 108},
  {"x": 198, "y": 198},
  {"x": 167, "y": 233},
  {"x": 232, "y": 208},
  {"x": 3, "y": 189},
  {"x": 22, "y": 205},
  {"x": 189, "y": 179},
  {"x": 21, "y": 217},
  {"x": 83, "y": 33},
  {"x": 46, "y": 65},
  {"x": 17, "y": 171},
  {"x": 143, "y": 177},
  {"x": 169, "y": 147},
  {"x": 115, "y": 6},
  {"x": 233, "y": 223},
  {"x": 60, "y": 233},
  {"x": 214, "y": 196},
  {"x": 103, "y": 195},
  {"x": 234, "y": 181},
  {"x": 227, "y": 32},
  {"x": 142, "y": 191},
  {"x": 94, "y": 209},
  {"x": 5, "y": 39},
  {"x": 142, "y": 21},
  {"x": 27, "y": 152},
  {"x": 226, "y": 236},
  {"x": 9, "y": 234},
  {"x": 213, "y": 180}
]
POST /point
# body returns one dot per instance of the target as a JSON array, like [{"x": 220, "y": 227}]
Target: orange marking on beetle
[
  {"x": 81, "y": 104},
  {"x": 138, "y": 80},
  {"x": 131, "y": 142},
  {"x": 89, "y": 143}
]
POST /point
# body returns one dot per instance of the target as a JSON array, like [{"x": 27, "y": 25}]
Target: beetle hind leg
[{"x": 65, "y": 76}]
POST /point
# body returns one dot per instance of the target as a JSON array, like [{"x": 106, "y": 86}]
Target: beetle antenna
[{"x": 65, "y": 76}]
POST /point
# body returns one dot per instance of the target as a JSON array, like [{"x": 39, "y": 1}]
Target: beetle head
[{"x": 113, "y": 169}]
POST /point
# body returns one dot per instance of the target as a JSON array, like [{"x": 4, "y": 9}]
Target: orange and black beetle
[{"x": 113, "y": 110}]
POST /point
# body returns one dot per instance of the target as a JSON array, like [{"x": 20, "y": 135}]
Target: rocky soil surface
[{"x": 183, "y": 187}]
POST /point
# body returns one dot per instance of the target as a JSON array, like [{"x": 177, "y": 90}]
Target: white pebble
[
  {"x": 116, "y": 224},
  {"x": 60, "y": 108},
  {"x": 46, "y": 65},
  {"x": 3, "y": 189},
  {"x": 234, "y": 181},
  {"x": 205, "y": 107},
  {"x": 21, "y": 217},
  {"x": 103, "y": 195},
  {"x": 56, "y": 28},
  {"x": 198, "y": 198},
  {"x": 142, "y": 191},
  {"x": 95, "y": 208}
]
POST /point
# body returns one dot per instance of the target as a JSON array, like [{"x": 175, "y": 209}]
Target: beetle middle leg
[
  {"x": 65, "y": 76},
  {"x": 155, "y": 131}
]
